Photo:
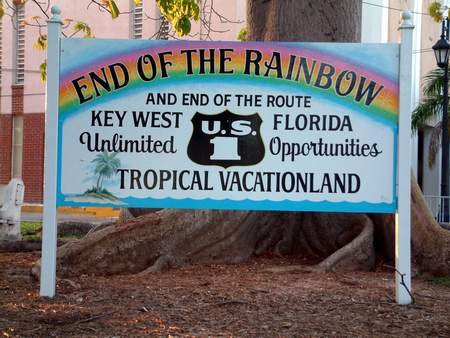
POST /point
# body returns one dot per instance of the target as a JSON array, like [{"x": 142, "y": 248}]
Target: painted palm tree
[
  {"x": 430, "y": 107},
  {"x": 106, "y": 165}
]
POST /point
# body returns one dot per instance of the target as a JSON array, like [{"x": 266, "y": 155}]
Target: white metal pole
[
  {"x": 49, "y": 233},
  {"x": 417, "y": 45},
  {"x": 403, "y": 216}
]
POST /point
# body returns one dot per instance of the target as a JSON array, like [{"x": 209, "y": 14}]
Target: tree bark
[
  {"x": 430, "y": 242},
  {"x": 306, "y": 21},
  {"x": 177, "y": 237}
]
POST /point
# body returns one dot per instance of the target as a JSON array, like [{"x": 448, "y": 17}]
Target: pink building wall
[
  {"x": 31, "y": 106},
  {"x": 102, "y": 27}
]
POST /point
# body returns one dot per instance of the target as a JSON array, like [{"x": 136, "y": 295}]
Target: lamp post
[{"x": 441, "y": 52}]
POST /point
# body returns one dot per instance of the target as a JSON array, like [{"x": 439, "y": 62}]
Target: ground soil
[{"x": 243, "y": 300}]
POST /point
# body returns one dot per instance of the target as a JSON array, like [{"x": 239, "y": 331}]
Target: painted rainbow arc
[{"x": 384, "y": 107}]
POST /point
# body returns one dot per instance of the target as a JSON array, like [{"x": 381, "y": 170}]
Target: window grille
[
  {"x": 162, "y": 26},
  {"x": 19, "y": 44},
  {"x": 137, "y": 20},
  {"x": 164, "y": 29}
]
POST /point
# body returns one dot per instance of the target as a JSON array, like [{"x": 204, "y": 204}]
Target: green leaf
[
  {"x": 137, "y": 2},
  {"x": 81, "y": 26},
  {"x": 113, "y": 8},
  {"x": 182, "y": 25},
  {"x": 431, "y": 103},
  {"x": 43, "y": 69},
  {"x": 41, "y": 42},
  {"x": 180, "y": 13},
  {"x": 434, "y": 10},
  {"x": 242, "y": 36},
  {"x": 428, "y": 108}
]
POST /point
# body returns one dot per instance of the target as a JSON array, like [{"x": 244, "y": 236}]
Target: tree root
[
  {"x": 162, "y": 263},
  {"x": 358, "y": 255},
  {"x": 173, "y": 238}
]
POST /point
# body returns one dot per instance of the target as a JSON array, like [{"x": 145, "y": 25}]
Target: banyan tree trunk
[
  {"x": 171, "y": 238},
  {"x": 304, "y": 20}
]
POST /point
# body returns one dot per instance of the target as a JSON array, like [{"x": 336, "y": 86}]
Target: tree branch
[{"x": 42, "y": 9}]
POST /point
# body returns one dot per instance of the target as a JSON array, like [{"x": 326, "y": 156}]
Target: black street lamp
[{"x": 441, "y": 52}]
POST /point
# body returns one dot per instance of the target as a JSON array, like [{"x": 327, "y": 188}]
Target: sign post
[
  {"x": 49, "y": 233},
  {"x": 403, "y": 215}
]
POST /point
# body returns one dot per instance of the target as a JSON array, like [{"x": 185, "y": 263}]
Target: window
[
  {"x": 137, "y": 20},
  {"x": 164, "y": 29},
  {"x": 19, "y": 46}
]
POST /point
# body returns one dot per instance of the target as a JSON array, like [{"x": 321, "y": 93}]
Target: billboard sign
[{"x": 228, "y": 125}]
